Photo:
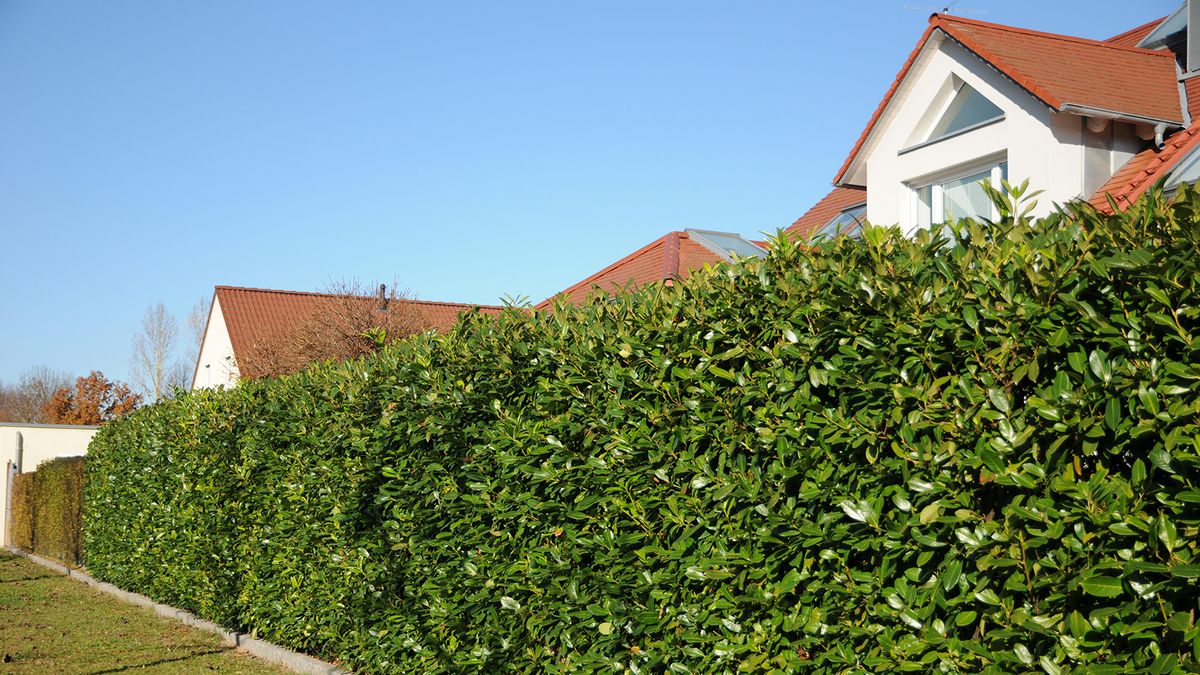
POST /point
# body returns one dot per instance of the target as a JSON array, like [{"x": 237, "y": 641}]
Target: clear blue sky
[{"x": 150, "y": 150}]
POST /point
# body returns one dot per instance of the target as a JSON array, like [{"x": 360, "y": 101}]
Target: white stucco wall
[
  {"x": 1039, "y": 144},
  {"x": 215, "y": 367},
  {"x": 40, "y": 442}
]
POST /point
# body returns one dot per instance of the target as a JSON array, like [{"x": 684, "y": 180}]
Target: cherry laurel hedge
[{"x": 878, "y": 454}]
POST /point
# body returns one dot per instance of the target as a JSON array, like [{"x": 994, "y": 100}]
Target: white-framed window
[
  {"x": 957, "y": 109},
  {"x": 957, "y": 196},
  {"x": 967, "y": 110}
]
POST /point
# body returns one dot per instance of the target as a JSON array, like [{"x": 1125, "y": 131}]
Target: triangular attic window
[{"x": 967, "y": 109}]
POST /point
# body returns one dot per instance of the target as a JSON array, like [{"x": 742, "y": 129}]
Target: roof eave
[{"x": 1116, "y": 115}]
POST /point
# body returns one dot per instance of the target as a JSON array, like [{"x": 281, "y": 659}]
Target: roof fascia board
[{"x": 1101, "y": 113}]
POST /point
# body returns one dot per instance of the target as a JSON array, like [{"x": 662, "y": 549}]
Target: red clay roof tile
[
  {"x": 673, "y": 256},
  {"x": 1144, "y": 169},
  {"x": 838, "y": 200}
]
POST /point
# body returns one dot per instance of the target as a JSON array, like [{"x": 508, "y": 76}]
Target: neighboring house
[
  {"x": 665, "y": 259},
  {"x": 24, "y": 446},
  {"x": 1080, "y": 119},
  {"x": 242, "y": 318}
]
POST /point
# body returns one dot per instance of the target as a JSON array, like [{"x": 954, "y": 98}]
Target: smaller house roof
[
  {"x": 260, "y": 315},
  {"x": 839, "y": 199},
  {"x": 1134, "y": 36},
  {"x": 672, "y": 256},
  {"x": 1146, "y": 168},
  {"x": 1060, "y": 70}
]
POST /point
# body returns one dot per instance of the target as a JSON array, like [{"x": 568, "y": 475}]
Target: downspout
[{"x": 20, "y": 452}]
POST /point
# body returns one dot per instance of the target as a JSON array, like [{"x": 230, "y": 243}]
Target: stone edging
[{"x": 294, "y": 661}]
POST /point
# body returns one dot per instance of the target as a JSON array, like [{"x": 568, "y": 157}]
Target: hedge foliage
[
  {"x": 877, "y": 454},
  {"x": 20, "y": 528},
  {"x": 48, "y": 509}
]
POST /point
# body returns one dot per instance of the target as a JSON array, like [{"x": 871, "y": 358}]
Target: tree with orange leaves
[{"x": 93, "y": 400}]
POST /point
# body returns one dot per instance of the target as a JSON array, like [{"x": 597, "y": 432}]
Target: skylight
[
  {"x": 969, "y": 108},
  {"x": 849, "y": 222},
  {"x": 726, "y": 245},
  {"x": 1173, "y": 24},
  {"x": 1188, "y": 171}
]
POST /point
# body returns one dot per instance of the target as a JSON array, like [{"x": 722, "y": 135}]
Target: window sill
[{"x": 960, "y": 132}]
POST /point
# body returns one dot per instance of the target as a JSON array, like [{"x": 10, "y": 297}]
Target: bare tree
[
  {"x": 347, "y": 321},
  {"x": 198, "y": 320},
  {"x": 152, "y": 366},
  {"x": 23, "y": 401}
]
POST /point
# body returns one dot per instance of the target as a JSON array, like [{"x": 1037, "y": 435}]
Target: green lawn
[{"x": 51, "y": 624}]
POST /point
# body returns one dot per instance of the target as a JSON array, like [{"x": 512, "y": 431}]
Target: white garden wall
[{"x": 28, "y": 445}]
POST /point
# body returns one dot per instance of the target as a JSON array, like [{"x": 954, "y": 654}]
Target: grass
[{"x": 51, "y": 624}]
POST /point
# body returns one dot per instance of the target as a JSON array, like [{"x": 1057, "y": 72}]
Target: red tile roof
[
  {"x": 1133, "y": 36},
  {"x": 670, "y": 257},
  {"x": 259, "y": 315},
  {"x": 838, "y": 200},
  {"x": 1144, "y": 169},
  {"x": 1059, "y": 70}
]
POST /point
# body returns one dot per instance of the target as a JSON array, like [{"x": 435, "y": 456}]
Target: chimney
[{"x": 382, "y": 297}]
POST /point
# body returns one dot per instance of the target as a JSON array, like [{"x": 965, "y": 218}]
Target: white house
[
  {"x": 1080, "y": 119},
  {"x": 242, "y": 318}
]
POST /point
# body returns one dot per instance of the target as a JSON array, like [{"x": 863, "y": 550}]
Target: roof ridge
[
  {"x": 935, "y": 19},
  {"x": 582, "y": 284},
  {"x": 347, "y": 295}
]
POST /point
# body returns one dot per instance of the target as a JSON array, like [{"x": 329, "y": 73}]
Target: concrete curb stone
[{"x": 294, "y": 661}]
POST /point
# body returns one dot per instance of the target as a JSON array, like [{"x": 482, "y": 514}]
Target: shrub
[
  {"x": 21, "y": 526},
  {"x": 47, "y": 509},
  {"x": 876, "y": 454}
]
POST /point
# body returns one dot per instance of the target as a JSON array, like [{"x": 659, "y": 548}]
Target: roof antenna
[
  {"x": 945, "y": 9},
  {"x": 383, "y": 300}
]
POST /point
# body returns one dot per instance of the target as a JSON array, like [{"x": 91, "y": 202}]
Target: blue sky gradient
[{"x": 151, "y": 150}]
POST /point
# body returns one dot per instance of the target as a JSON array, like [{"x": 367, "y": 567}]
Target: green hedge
[
  {"x": 20, "y": 528},
  {"x": 48, "y": 510},
  {"x": 878, "y": 454}
]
